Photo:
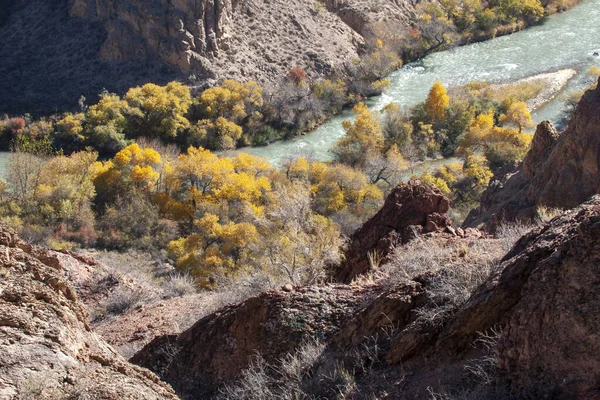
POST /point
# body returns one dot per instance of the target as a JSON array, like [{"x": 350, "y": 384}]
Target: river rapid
[{"x": 567, "y": 40}]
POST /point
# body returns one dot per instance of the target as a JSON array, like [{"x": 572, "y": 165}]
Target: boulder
[{"x": 410, "y": 210}]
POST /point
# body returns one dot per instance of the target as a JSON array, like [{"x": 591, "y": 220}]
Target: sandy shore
[{"x": 554, "y": 83}]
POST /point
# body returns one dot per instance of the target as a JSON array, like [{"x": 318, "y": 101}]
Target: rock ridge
[
  {"x": 47, "y": 348},
  {"x": 410, "y": 210}
]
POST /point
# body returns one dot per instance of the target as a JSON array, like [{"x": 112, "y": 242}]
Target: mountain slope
[{"x": 116, "y": 44}]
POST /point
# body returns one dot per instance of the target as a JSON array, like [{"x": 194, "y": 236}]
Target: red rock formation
[
  {"x": 545, "y": 299},
  {"x": 560, "y": 171},
  {"x": 411, "y": 209},
  {"x": 47, "y": 349}
]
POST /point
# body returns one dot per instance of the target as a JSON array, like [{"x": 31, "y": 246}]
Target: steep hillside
[
  {"x": 116, "y": 44},
  {"x": 47, "y": 349},
  {"x": 560, "y": 171}
]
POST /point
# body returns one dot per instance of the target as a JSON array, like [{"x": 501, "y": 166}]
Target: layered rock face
[
  {"x": 544, "y": 298},
  {"x": 410, "y": 210},
  {"x": 241, "y": 39},
  {"x": 47, "y": 349},
  {"x": 179, "y": 32},
  {"x": 560, "y": 171}
]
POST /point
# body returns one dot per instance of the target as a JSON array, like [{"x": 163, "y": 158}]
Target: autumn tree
[
  {"x": 298, "y": 244},
  {"x": 158, "y": 111},
  {"x": 364, "y": 136},
  {"x": 396, "y": 126},
  {"x": 369, "y": 72},
  {"x": 133, "y": 172},
  {"x": 529, "y": 10},
  {"x": 517, "y": 115},
  {"x": 333, "y": 94},
  {"x": 66, "y": 188},
  {"x": 339, "y": 186},
  {"x": 500, "y": 145},
  {"x": 231, "y": 100},
  {"x": 437, "y": 102},
  {"x": 105, "y": 123},
  {"x": 386, "y": 168},
  {"x": 215, "y": 249}
]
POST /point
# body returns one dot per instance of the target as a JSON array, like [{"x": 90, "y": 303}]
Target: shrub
[
  {"x": 284, "y": 379},
  {"x": 510, "y": 232},
  {"x": 179, "y": 284},
  {"x": 123, "y": 299},
  {"x": 450, "y": 289},
  {"x": 297, "y": 75}
]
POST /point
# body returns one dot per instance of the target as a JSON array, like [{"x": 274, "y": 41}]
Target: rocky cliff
[
  {"x": 410, "y": 210},
  {"x": 47, "y": 349},
  {"x": 543, "y": 299},
  {"x": 560, "y": 171},
  {"x": 120, "y": 43}
]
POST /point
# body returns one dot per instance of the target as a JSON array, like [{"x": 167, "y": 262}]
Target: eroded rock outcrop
[
  {"x": 560, "y": 171},
  {"x": 179, "y": 32},
  {"x": 239, "y": 38},
  {"x": 47, "y": 349},
  {"x": 410, "y": 210},
  {"x": 218, "y": 347},
  {"x": 544, "y": 298}
]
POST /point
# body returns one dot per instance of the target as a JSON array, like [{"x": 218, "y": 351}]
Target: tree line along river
[{"x": 567, "y": 40}]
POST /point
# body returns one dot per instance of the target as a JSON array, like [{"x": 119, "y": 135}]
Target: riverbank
[
  {"x": 553, "y": 84},
  {"x": 569, "y": 41}
]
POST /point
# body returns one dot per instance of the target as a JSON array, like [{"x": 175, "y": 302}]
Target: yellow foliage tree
[
  {"x": 132, "y": 165},
  {"x": 232, "y": 100},
  {"x": 66, "y": 188},
  {"x": 217, "y": 249},
  {"x": 437, "y": 102},
  {"x": 518, "y": 115},
  {"x": 341, "y": 186},
  {"x": 71, "y": 125},
  {"x": 363, "y": 136},
  {"x": 158, "y": 111}
]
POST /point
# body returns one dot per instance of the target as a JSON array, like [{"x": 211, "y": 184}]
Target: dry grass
[
  {"x": 484, "y": 370},
  {"x": 430, "y": 255},
  {"x": 263, "y": 381},
  {"x": 453, "y": 269},
  {"x": 451, "y": 288},
  {"x": 179, "y": 284},
  {"x": 520, "y": 91},
  {"x": 508, "y": 233}
]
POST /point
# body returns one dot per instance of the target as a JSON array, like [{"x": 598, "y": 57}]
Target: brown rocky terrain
[
  {"x": 561, "y": 171},
  {"x": 116, "y": 44},
  {"x": 410, "y": 210},
  {"x": 535, "y": 310},
  {"x": 47, "y": 348}
]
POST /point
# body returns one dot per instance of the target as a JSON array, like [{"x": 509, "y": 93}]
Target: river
[{"x": 567, "y": 40}]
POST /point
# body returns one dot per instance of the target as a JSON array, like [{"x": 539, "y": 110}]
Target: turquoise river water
[{"x": 567, "y": 40}]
